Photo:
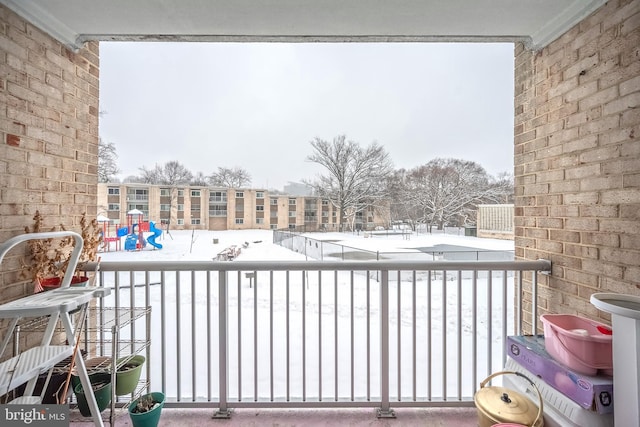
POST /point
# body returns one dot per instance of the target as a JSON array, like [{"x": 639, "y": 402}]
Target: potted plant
[
  {"x": 101, "y": 384},
  {"x": 145, "y": 410},
  {"x": 128, "y": 373},
  {"x": 49, "y": 258}
]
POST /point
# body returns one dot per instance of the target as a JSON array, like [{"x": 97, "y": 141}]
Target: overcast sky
[{"x": 258, "y": 105}]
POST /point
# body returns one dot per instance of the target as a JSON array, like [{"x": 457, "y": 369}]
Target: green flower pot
[
  {"x": 95, "y": 365},
  {"x": 101, "y": 383},
  {"x": 128, "y": 375},
  {"x": 149, "y": 418}
]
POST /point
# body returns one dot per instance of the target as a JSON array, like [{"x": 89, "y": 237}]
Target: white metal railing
[{"x": 324, "y": 334}]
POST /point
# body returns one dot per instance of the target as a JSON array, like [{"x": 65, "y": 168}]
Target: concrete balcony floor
[{"x": 189, "y": 417}]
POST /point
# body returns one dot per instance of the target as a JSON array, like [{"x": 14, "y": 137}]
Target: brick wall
[
  {"x": 577, "y": 159},
  {"x": 48, "y": 135}
]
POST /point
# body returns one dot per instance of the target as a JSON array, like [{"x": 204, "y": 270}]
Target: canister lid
[{"x": 506, "y": 405}]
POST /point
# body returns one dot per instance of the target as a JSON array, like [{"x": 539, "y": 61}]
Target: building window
[
  {"x": 259, "y": 194},
  {"x": 135, "y": 194},
  {"x": 292, "y": 214},
  {"x": 195, "y": 208},
  {"x": 195, "y": 221},
  {"x": 292, "y": 201},
  {"x": 180, "y": 193},
  {"x": 165, "y": 192},
  {"x": 239, "y": 221},
  {"x": 259, "y": 220},
  {"x": 114, "y": 207},
  {"x": 239, "y": 194},
  {"x": 113, "y": 191},
  {"x": 325, "y": 202},
  {"x": 217, "y": 210},
  {"x": 180, "y": 221},
  {"x": 165, "y": 207},
  {"x": 180, "y": 207},
  {"x": 195, "y": 193},
  {"x": 260, "y": 208},
  {"x": 218, "y": 196},
  {"x": 274, "y": 201},
  {"x": 273, "y": 226},
  {"x": 143, "y": 208}
]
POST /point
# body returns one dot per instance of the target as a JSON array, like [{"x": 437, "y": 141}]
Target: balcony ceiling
[{"x": 537, "y": 22}]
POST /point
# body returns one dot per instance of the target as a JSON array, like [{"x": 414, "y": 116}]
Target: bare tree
[
  {"x": 199, "y": 179},
  {"x": 356, "y": 177},
  {"x": 401, "y": 208},
  {"x": 132, "y": 179},
  {"x": 172, "y": 174},
  {"x": 230, "y": 177},
  {"x": 447, "y": 191},
  {"x": 503, "y": 188},
  {"x": 107, "y": 161}
]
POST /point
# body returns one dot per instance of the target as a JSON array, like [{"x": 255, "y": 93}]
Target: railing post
[
  {"x": 385, "y": 410},
  {"x": 223, "y": 411},
  {"x": 534, "y": 303}
]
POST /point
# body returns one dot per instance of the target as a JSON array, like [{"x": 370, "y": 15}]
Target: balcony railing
[{"x": 324, "y": 334}]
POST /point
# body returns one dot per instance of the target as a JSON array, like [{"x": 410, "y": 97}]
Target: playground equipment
[
  {"x": 135, "y": 241},
  {"x": 107, "y": 238},
  {"x": 156, "y": 233}
]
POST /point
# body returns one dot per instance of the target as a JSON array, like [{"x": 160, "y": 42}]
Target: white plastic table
[
  {"x": 625, "y": 320},
  {"x": 56, "y": 304}
]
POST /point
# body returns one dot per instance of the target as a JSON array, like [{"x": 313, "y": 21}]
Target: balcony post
[
  {"x": 534, "y": 303},
  {"x": 385, "y": 410},
  {"x": 223, "y": 410}
]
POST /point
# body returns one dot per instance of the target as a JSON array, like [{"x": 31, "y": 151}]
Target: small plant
[
  {"x": 145, "y": 404},
  {"x": 50, "y": 257}
]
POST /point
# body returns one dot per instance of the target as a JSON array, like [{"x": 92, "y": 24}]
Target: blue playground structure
[
  {"x": 156, "y": 233},
  {"x": 136, "y": 241}
]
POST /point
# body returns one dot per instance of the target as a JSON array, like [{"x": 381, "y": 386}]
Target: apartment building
[{"x": 209, "y": 208}]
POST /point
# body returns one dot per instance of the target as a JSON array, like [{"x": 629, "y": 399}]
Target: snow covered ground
[
  {"x": 330, "y": 321},
  {"x": 198, "y": 245}
]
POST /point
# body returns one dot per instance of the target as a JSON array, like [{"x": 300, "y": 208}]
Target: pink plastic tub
[{"x": 581, "y": 344}]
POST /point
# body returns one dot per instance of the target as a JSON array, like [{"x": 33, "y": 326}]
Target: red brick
[{"x": 13, "y": 140}]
